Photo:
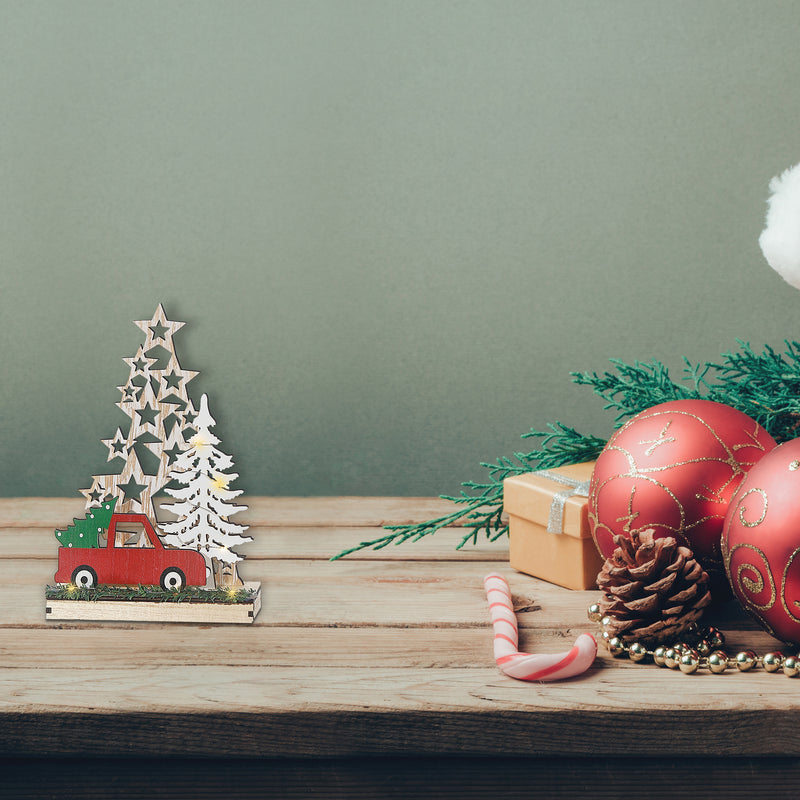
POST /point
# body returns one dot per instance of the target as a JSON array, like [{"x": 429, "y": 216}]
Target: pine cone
[{"x": 653, "y": 589}]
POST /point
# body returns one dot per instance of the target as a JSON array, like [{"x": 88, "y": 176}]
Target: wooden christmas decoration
[{"x": 119, "y": 562}]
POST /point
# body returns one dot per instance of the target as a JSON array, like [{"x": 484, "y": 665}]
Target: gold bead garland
[{"x": 705, "y": 653}]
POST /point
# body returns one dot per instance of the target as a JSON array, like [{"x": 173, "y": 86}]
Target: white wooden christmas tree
[
  {"x": 161, "y": 414},
  {"x": 204, "y": 503}
]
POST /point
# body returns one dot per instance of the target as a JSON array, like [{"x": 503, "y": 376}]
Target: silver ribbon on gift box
[{"x": 555, "y": 523}]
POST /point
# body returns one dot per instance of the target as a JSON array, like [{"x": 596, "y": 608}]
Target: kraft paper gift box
[{"x": 549, "y": 534}]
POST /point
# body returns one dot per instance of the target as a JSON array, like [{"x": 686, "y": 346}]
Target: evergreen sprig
[
  {"x": 765, "y": 386},
  {"x": 635, "y": 387},
  {"x": 481, "y": 503}
]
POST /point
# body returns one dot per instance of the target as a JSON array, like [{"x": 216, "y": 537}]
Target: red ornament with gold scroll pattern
[
  {"x": 761, "y": 542},
  {"x": 674, "y": 468}
]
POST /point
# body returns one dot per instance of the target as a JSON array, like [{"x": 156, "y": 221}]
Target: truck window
[{"x": 131, "y": 534}]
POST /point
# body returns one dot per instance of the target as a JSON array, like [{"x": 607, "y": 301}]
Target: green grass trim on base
[{"x": 151, "y": 594}]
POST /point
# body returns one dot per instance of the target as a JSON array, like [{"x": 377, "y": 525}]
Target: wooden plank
[
  {"x": 415, "y": 778},
  {"x": 266, "y": 646},
  {"x": 307, "y": 512},
  {"x": 257, "y": 712},
  {"x": 603, "y": 692},
  {"x": 294, "y": 543},
  {"x": 140, "y": 611},
  {"x": 257, "y": 646}
]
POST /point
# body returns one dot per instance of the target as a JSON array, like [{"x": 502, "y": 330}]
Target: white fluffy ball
[{"x": 780, "y": 239}]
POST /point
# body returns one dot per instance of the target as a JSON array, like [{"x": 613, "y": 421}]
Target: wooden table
[{"x": 367, "y": 677}]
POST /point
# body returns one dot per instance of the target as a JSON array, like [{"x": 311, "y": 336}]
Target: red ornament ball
[
  {"x": 674, "y": 468},
  {"x": 761, "y": 542}
]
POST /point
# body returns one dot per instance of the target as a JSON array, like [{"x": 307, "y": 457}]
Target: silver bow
[{"x": 555, "y": 524}]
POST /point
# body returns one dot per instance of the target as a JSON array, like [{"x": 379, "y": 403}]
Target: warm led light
[{"x": 220, "y": 482}]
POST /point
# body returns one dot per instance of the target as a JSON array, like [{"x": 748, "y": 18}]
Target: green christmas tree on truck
[{"x": 86, "y": 532}]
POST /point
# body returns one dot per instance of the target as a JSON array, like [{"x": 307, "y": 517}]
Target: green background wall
[{"x": 393, "y": 228}]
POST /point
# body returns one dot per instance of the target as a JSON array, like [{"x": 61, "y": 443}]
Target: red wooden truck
[{"x": 132, "y": 555}]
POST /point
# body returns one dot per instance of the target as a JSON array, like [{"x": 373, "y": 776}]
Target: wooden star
[
  {"x": 130, "y": 392},
  {"x": 189, "y": 414},
  {"x": 133, "y": 491},
  {"x": 147, "y": 414},
  {"x": 172, "y": 381},
  {"x": 159, "y": 328},
  {"x": 117, "y": 446},
  {"x": 96, "y": 493},
  {"x": 140, "y": 363},
  {"x": 172, "y": 454}
]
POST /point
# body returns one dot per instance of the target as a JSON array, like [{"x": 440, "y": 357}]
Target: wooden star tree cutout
[{"x": 155, "y": 400}]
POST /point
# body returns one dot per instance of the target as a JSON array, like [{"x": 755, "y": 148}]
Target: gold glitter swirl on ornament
[
  {"x": 643, "y": 474},
  {"x": 794, "y": 466},
  {"x": 662, "y": 439},
  {"x": 741, "y": 509},
  {"x": 731, "y": 460},
  {"x": 750, "y": 586},
  {"x": 636, "y": 472},
  {"x": 786, "y": 608},
  {"x": 753, "y": 443},
  {"x": 712, "y": 495},
  {"x": 629, "y": 518}
]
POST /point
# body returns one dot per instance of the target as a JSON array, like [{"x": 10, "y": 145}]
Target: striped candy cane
[{"x": 527, "y": 666}]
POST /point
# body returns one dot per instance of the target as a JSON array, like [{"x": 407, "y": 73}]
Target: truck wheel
[
  {"x": 84, "y": 577},
  {"x": 172, "y": 579}
]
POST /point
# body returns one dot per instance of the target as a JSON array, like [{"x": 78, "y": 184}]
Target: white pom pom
[{"x": 780, "y": 239}]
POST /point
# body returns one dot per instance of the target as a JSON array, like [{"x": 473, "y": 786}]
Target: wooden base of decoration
[{"x": 153, "y": 611}]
